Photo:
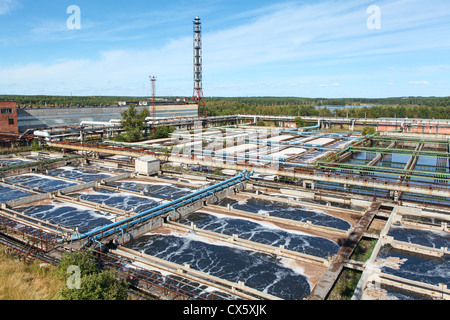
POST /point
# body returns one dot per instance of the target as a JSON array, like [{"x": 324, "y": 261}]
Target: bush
[
  {"x": 94, "y": 283},
  {"x": 34, "y": 145},
  {"x": 368, "y": 130},
  {"x": 98, "y": 286},
  {"x": 84, "y": 259},
  {"x": 162, "y": 132}
]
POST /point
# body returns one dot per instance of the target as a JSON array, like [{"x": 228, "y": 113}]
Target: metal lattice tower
[
  {"x": 153, "y": 81},
  {"x": 198, "y": 85}
]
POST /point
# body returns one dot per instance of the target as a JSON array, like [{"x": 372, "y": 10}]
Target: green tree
[
  {"x": 98, "y": 286},
  {"x": 162, "y": 132},
  {"x": 83, "y": 259},
  {"x": 133, "y": 123},
  {"x": 299, "y": 121}
]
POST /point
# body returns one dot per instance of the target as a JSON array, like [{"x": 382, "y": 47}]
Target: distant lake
[{"x": 349, "y": 107}]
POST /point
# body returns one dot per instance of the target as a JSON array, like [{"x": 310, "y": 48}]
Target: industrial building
[
  {"x": 8, "y": 117},
  {"x": 39, "y": 118}
]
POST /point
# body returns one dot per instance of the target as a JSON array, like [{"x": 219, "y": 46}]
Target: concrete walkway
[{"x": 328, "y": 279}]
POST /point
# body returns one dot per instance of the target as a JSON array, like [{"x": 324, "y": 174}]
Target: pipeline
[
  {"x": 95, "y": 235},
  {"x": 303, "y": 145},
  {"x": 242, "y": 157}
]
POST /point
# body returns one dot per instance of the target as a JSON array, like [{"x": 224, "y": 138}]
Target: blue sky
[{"x": 250, "y": 48}]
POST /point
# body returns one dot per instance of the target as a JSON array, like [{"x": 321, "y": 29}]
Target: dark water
[
  {"x": 12, "y": 162},
  {"x": 428, "y": 238},
  {"x": 418, "y": 268},
  {"x": 259, "y": 271},
  {"x": 396, "y": 295},
  {"x": 162, "y": 190},
  {"x": 8, "y": 194},
  {"x": 424, "y": 269},
  {"x": 287, "y": 211}
]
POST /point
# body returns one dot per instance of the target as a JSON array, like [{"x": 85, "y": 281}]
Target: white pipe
[{"x": 99, "y": 123}]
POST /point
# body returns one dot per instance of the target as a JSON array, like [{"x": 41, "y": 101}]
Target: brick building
[{"x": 8, "y": 117}]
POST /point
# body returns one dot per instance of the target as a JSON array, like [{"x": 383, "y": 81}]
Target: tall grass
[{"x": 27, "y": 281}]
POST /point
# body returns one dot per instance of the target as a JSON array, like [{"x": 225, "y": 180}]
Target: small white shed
[{"x": 147, "y": 165}]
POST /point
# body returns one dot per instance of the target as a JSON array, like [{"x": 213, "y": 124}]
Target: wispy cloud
[
  {"x": 419, "y": 83},
  {"x": 6, "y": 6},
  {"x": 330, "y": 85}
]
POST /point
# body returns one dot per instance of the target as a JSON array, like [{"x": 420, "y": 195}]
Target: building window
[
  {"x": 10, "y": 121},
  {"x": 6, "y": 110}
]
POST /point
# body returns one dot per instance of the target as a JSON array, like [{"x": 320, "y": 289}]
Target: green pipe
[
  {"x": 393, "y": 171},
  {"x": 423, "y": 153},
  {"x": 407, "y": 139}
]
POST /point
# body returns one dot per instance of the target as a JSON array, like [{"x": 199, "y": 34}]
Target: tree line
[
  {"x": 414, "y": 107},
  {"x": 401, "y": 107},
  {"x": 66, "y": 101}
]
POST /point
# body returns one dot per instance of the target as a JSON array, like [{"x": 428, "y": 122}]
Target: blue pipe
[
  {"x": 96, "y": 234},
  {"x": 312, "y": 127}
]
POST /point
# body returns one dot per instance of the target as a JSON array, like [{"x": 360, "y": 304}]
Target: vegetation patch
[
  {"x": 85, "y": 280},
  {"x": 364, "y": 250},
  {"x": 345, "y": 285},
  {"x": 27, "y": 281}
]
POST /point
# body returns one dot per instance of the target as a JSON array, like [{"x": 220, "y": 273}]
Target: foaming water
[
  {"x": 122, "y": 200},
  {"x": 287, "y": 211},
  {"x": 264, "y": 233},
  {"x": 259, "y": 271},
  {"x": 418, "y": 268},
  {"x": 13, "y": 161},
  {"x": 41, "y": 182},
  {"x": 428, "y": 238},
  {"x": 76, "y": 173},
  {"x": 163, "y": 190},
  {"x": 69, "y": 215},
  {"x": 8, "y": 194}
]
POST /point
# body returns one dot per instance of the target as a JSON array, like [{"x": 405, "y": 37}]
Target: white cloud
[
  {"x": 336, "y": 84},
  {"x": 418, "y": 82},
  {"x": 6, "y": 6}
]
